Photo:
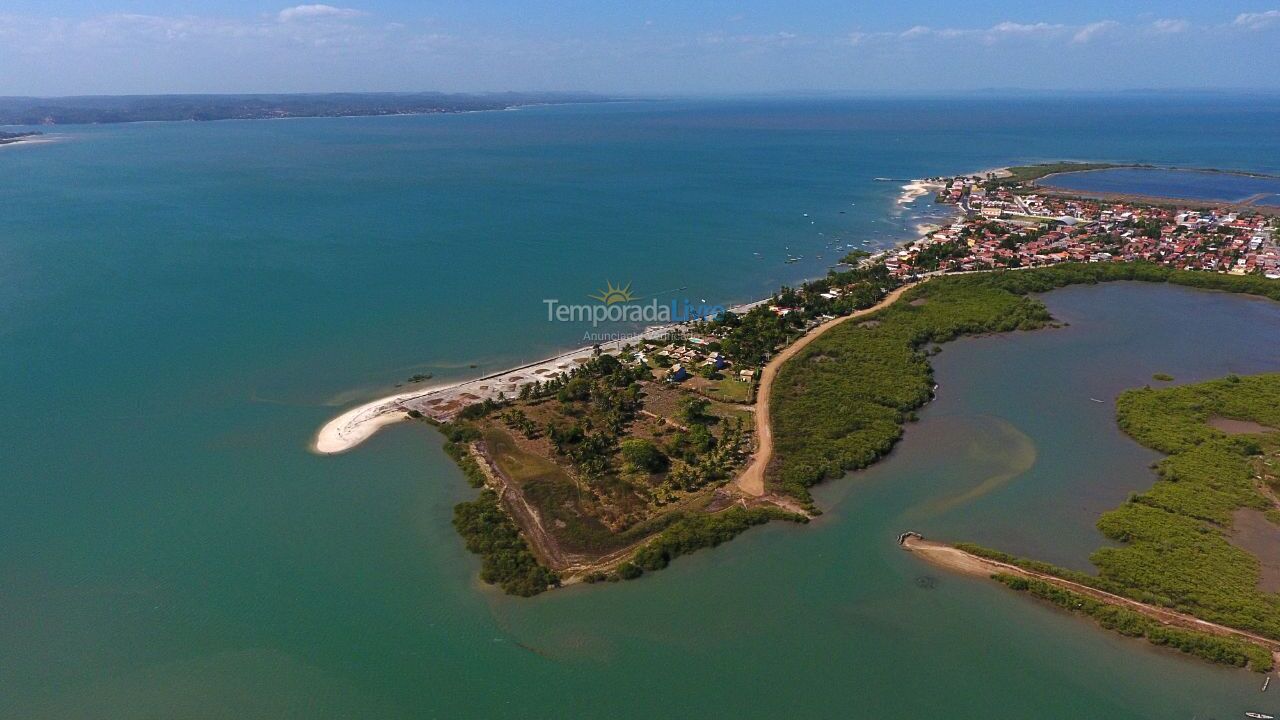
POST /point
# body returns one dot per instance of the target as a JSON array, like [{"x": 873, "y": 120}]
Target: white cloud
[
  {"x": 1170, "y": 26},
  {"x": 778, "y": 39},
  {"x": 1013, "y": 28},
  {"x": 308, "y": 12},
  {"x": 1257, "y": 20},
  {"x": 989, "y": 35},
  {"x": 1092, "y": 30}
]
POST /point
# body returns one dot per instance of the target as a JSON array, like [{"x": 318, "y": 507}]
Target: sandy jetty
[{"x": 442, "y": 402}]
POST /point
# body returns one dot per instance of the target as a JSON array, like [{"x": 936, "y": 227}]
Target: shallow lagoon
[{"x": 1171, "y": 183}]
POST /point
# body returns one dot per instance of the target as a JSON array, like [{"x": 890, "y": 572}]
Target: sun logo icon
[{"x": 611, "y": 294}]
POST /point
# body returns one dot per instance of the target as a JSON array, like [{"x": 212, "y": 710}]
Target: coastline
[
  {"x": 31, "y": 140},
  {"x": 917, "y": 189},
  {"x": 415, "y": 113},
  {"x": 440, "y": 402}
]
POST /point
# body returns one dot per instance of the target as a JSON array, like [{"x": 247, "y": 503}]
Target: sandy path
[
  {"x": 751, "y": 481},
  {"x": 956, "y": 559}
]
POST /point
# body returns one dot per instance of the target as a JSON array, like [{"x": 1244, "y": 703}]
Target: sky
[{"x": 638, "y": 47}]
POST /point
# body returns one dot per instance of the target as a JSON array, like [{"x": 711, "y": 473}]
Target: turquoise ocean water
[{"x": 183, "y": 304}]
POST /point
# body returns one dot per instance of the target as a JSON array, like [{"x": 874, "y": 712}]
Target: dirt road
[
  {"x": 959, "y": 560},
  {"x": 751, "y": 481}
]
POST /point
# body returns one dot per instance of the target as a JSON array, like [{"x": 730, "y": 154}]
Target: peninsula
[{"x": 606, "y": 462}]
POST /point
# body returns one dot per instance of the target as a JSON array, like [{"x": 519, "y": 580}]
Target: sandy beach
[
  {"x": 359, "y": 423},
  {"x": 442, "y": 402},
  {"x": 917, "y": 189}
]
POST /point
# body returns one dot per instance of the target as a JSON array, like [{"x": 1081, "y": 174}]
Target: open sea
[{"x": 182, "y": 305}]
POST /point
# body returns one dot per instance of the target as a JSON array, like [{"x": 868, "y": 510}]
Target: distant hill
[{"x": 136, "y": 108}]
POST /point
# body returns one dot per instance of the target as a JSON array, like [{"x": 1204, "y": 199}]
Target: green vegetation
[
  {"x": 730, "y": 390},
  {"x": 641, "y": 454},
  {"x": 608, "y": 456},
  {"x": 600, "y": 473},
  {"x": 1225, "y": 650},
  {"x": 470, "y": 468},
  {"x": 840, "y": 404},
  {"x": 1026, "y": 173},
  {"x": 694, "y": 532},
  {"x": 505, "y": 557},
  {"x": 1033, "y": 565},
  {"x": 1176, "y": 550}
]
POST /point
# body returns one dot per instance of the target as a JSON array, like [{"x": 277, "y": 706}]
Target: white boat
[{"x": 1260, "y": 716}]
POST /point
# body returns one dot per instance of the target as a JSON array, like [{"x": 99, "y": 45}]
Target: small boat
[
  {"x": 1260, "y": 716},
  {"x": 1097, "y": 400},
  {"x": 1265, "y": 683}
]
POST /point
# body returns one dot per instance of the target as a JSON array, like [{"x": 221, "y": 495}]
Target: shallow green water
[{"x": 181, "y": 306}]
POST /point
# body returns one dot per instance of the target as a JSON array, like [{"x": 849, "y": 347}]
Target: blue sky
[{"x": 55, "y": 47}]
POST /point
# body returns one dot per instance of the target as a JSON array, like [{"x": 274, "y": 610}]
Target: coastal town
[{"x": 1006, "y": 224}]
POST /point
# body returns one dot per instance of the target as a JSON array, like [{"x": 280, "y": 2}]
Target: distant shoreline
[
  {"x": 27, "y": 139},
  {"x": 40, "y": 112}
]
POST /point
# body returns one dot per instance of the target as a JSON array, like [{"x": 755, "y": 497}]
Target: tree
[
  {"x": 701, "y": 439},
  {"x": 643, "y": 455},
  {"x": 693, "y": 410},
  {"x": 576, "y": 389}
]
